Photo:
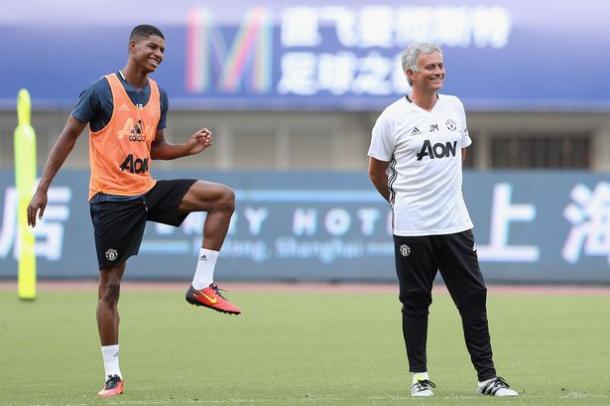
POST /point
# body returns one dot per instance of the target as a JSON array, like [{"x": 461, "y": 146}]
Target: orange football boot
[
  {"x": 113, "y": 386},
  {"x": 210, "y": 297}
]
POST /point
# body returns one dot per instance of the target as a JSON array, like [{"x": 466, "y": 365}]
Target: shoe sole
[
  {"x": 110, "y": 394},
  {"x": 196, "y": 302},
  {"x": 422, "y": 394}
]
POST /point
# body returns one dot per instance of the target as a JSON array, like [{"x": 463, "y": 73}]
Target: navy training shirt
[{"x": 95, "y": 104}]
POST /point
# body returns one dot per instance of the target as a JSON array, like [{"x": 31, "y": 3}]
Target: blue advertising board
[
  {"x": 329, "y": 226},
  {"x": 342, "y": 55}
]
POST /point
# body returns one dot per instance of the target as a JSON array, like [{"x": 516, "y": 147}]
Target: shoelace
[
  {"x": 217, "y": 290},
  {"x": 112, "y": 381},
  {"x": 423, "y": 385},
  {"x": 495, "y": 384}
]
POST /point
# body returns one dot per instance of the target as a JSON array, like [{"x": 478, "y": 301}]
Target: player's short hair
[
  {"x": 144, "y": 31},
  {"x": 408, "y": 58}
]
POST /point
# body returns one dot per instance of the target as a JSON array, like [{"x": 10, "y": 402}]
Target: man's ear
[
  {"x": 409, "y": 73},
  {"x": 131, "y": 46}
]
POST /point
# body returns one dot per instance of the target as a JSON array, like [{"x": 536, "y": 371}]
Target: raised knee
[{"x": 227, "y": 201}]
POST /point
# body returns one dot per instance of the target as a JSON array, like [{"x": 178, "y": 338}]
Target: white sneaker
[
  {"x": 496, "y": 387},
  {"x": 422, "y": 388}
]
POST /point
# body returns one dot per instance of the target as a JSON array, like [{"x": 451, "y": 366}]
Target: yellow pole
[{"x": 25, "y": 180}]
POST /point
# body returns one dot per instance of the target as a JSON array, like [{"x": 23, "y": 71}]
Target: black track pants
[{"x": 454, "y": 255}]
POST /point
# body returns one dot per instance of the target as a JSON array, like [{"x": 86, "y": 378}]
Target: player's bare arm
[
  {"x": 196, "y": 143},
  {"x": 463, "y": 154},
  {"x": 379, "y": 177},
  {"x": 60, "y": 151}
]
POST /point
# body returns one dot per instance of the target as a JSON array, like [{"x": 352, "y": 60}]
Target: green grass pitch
[{"x": 297, "y": 349}]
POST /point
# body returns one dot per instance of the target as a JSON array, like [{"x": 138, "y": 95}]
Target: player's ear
[{"x": 131, "y": 46}]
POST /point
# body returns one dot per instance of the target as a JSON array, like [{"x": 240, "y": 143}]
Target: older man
[{"x": 415, "y": 162}]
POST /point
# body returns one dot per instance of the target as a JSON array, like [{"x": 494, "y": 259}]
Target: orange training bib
[{"x": 119, "y": 154}]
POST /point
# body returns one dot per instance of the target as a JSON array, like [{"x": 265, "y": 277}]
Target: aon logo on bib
[
  {"x": 438, "y": 150},
  {"x": 134, "y": 165}
]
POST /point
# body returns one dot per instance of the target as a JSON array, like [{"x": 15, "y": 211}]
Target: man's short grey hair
[{"x": 408, "y": 58}]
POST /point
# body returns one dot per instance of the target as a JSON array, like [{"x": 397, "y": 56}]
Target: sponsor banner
[
  {"x": 500, "y": 55},
  {"x": 329, "y": 226}
]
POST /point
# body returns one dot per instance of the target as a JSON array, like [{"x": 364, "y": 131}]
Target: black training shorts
[{"x": 118, "y": 225}]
